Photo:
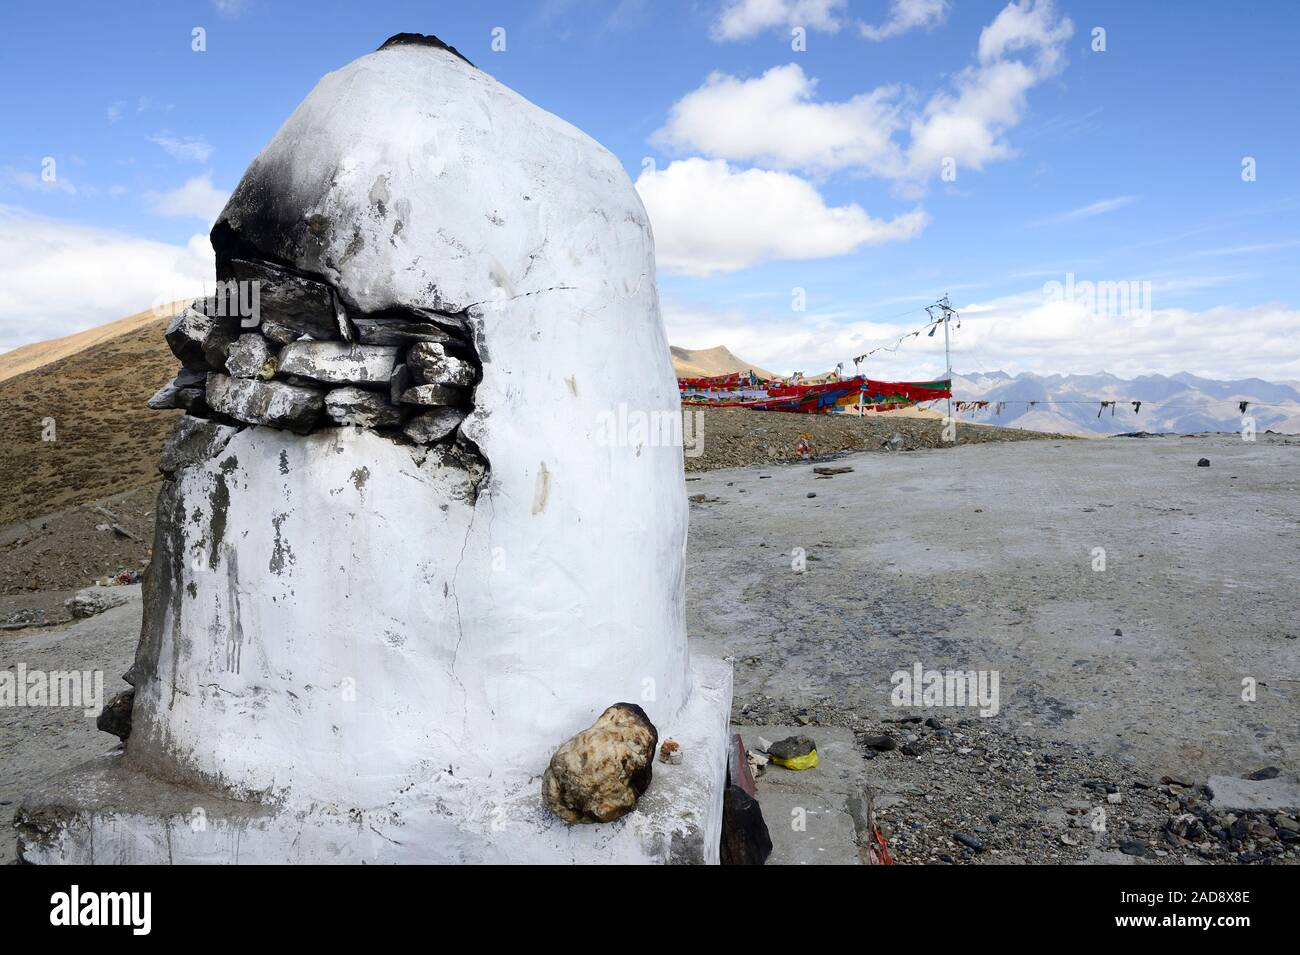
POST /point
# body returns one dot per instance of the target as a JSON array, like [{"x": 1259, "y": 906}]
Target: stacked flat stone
[{"x": 303, "y": 363}]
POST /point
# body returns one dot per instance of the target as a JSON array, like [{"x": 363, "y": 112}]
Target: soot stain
[{"x": 281, "y": 554}]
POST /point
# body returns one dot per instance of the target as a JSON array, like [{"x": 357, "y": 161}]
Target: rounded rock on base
[{"x": 599, "y": 774}]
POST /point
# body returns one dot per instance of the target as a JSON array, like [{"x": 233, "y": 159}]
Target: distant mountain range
[{"x": 1180, "y": 403}]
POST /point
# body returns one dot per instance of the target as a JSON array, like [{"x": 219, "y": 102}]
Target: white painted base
[{"x": 103, "y": 812}]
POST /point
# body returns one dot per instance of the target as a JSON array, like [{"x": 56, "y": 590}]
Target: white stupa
[{"x": 359, "y": 649}]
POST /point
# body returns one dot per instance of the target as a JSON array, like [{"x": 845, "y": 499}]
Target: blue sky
[{"x": 765, "y": 169}]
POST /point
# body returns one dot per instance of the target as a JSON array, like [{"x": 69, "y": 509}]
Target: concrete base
[
  {"x": 102, "y": 812},
  {"x": 817, "y": 816}
]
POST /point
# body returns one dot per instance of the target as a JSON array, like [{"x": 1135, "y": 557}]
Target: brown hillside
[
  {"x": 30, "y": 357},
  {"x": 106, "y": 439},
  {"x": 707, "y": 362}
]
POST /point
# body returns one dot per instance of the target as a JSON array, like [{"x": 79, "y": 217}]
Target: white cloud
[
  {"x": 710, "y": 218},
  {"x": 191, "y": 148},
  {"x": 38, "y": 183},
  {"x": 774, "y": 118},
  {"x": 742, "y": 19},
  {"x": 1249, "y": 248},
  {"x": 1047, "y": 335},
  {"x": 57, "y": 278},
  {"x": 1100, "y": 207},
  {"x": 1026, "y": 25},
  {"x": 1014, "y": 334},
  {"x": 810, "y": 342},
  {"x": 967, "y": 126},
  {"x": 146, "y": 104},
  {"x": 198, "y": 199},
  {"x": 906, "y": 15}
]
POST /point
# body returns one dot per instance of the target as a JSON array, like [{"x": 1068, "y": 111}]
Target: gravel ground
[
  {"x": 968, "y": 792},
  {"x": 74, "y": 548},
  {"x": 36, "y": 742},
  {"x": 737, "y": 437},
  {"x": 981, "y": 558}
]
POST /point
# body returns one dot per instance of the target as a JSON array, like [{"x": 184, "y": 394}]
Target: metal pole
[{"x": 947, "y": 356}]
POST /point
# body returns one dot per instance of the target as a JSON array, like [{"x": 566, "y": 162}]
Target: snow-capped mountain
[{"x": 1180, "y": 403}]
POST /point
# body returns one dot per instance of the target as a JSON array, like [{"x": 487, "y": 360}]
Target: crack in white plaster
[
  {"x": 511, "y": 298},
  {"x": 460, "y": 628}
]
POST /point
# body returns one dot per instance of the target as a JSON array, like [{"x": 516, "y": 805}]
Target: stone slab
[
  {"x": 815, "y": 816},
  {"x": 808, "y": 828},
  {"x": 1267, "y": 795}
]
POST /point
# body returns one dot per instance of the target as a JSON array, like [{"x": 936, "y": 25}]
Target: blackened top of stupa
[{"x": 420, "y": 39}]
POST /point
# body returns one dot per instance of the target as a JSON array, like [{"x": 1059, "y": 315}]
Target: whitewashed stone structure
[{"x": 383, "y": 592}]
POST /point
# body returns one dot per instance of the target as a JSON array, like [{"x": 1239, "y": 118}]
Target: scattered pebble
[{"x": 1023, "y": 799}]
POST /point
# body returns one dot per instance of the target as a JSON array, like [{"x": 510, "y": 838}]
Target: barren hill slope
[
  {"x": 105, "y": 439},
  {"x": 30, "y": 357},
  {"x": 707, "y": 362}
]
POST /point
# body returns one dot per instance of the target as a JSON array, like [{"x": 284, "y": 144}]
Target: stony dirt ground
[
  {"x": 982, "y": 558},
  {"x": 71, "y": 549},
  {"x": 37, "y": 742},
  {"x": 735, "y": 437}
]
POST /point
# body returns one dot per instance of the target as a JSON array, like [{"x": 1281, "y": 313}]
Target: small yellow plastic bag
[{"x": 808, "y": 761}]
